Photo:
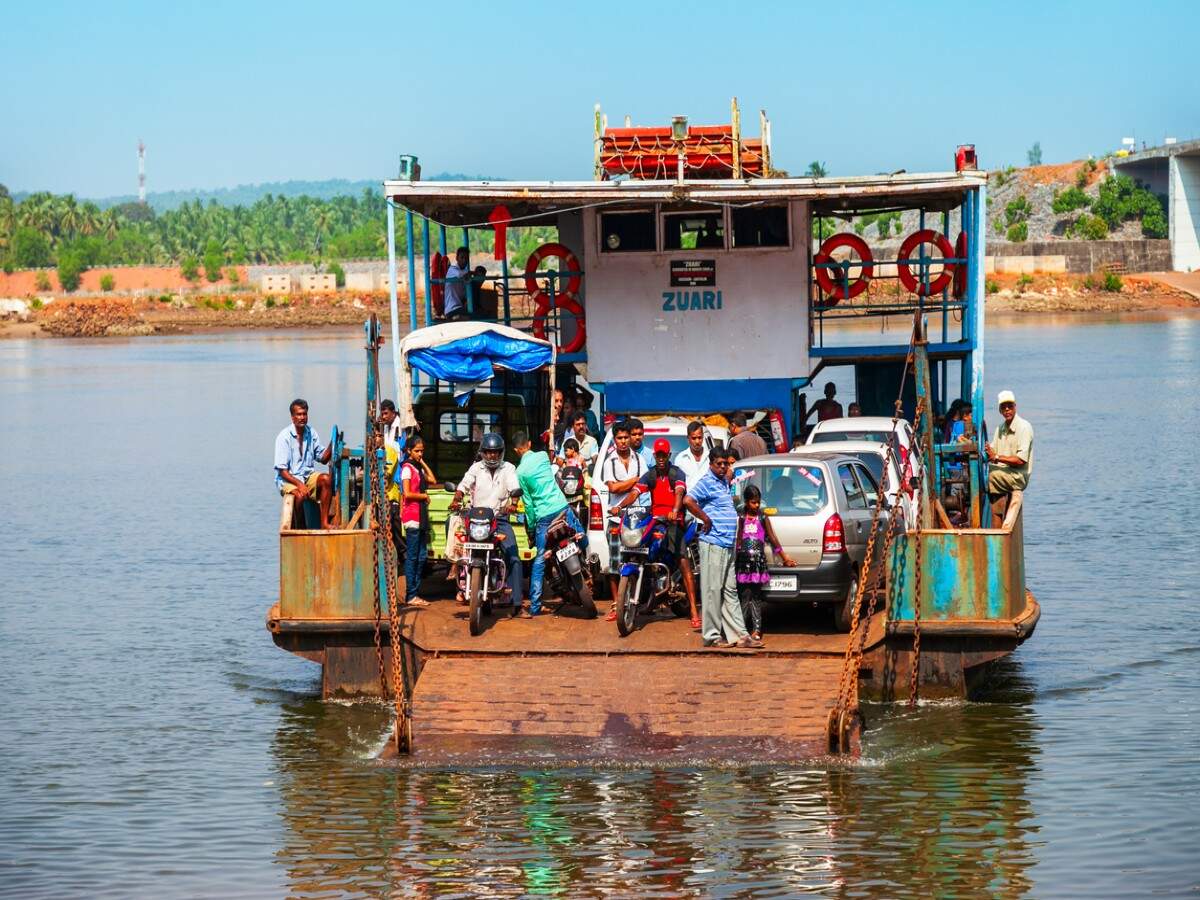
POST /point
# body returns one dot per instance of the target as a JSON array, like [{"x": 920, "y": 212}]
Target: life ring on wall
[
  {"x": 837, "y": 290},
  {"x": 961, "y": 246},
  {"x": 541, "y": 312},
  {"x": 908, "y": 279},
  {"x": 438, "y": 267},
  {"x": 570, "y": 264}
]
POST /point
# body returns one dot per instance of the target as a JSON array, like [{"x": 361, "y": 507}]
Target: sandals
[
  {"x": 696, "y": 623},
  {"x": 417, "y": 603},
  {"x": 749, "y": 643},
  {"x": 612, "y": 615}
]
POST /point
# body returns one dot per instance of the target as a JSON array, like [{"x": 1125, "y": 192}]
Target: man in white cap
[{"x": 1011, "y": 457}]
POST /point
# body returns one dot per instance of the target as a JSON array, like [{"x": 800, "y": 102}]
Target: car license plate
[
  {"x": 565, "y": 553},
  {"x": 478, "y": 547},
  {"x": 782, "y": 583}
]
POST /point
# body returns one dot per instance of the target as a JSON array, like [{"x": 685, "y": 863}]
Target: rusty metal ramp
[{"x": 586, "y": 707}]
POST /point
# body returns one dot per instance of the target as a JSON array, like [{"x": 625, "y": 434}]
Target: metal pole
[
  {"x": 428, "y": 297},
  {"x": 391, "y": 239},
  {"x": 470, "y": 284},
  {"x": 504, "y": 284}
]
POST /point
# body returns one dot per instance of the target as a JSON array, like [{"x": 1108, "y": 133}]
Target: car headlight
[
  {"x": 631, "y": 537},
  {"x": 481, "y": 531}
]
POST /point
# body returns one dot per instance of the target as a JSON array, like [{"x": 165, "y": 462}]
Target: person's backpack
[{"x": 674, "y": 477}]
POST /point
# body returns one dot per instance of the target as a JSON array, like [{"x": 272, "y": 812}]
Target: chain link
[{"x": 923, "y": 438}]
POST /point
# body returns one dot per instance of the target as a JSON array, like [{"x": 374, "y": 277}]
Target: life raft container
[
  {"x": 837, "y": 290},
  {"x": 904, "y": 268}
]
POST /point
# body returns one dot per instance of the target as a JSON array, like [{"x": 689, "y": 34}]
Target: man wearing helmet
[
  {"x": 492, "y": 483},
  {"x": 666, "y": 485}
]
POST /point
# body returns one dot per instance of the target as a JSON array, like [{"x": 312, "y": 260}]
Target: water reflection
[{"x": 940, "y": 795}]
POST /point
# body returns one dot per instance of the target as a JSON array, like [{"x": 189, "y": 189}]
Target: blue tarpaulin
[{"x": 472, "y": 359}]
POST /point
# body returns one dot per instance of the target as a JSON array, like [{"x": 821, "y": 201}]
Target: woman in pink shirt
[{"x": 415, "y": 478}]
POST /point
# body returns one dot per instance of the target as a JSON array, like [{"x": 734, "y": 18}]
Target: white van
[{"x": 674, "y": 429}]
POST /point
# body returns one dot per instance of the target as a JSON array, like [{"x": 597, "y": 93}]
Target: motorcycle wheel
[
  {"x": 475, "y": 592},
  {"x": 583, "y": 594},
  {"x": 626, "y": 607}
]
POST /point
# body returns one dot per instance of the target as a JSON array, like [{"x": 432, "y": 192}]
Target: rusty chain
[
  {"x": 382, "y": 540},
  {"x": 914, "y": 676},
  {"x": 846, "y": 705}
]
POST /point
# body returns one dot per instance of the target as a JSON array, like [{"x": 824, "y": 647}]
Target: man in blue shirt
[
  {"x": 711, "y": 502},
  {"x": 298, "y": 449}
]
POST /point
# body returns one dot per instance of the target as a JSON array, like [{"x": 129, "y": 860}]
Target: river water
[{"x": 156, "y": 743}]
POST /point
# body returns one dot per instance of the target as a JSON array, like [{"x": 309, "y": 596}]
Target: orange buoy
[{"x": 908, "y": 279}]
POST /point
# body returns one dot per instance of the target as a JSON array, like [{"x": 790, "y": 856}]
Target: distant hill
[{"x": 247, "y": 194}]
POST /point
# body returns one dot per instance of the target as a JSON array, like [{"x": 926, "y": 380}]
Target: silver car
[{"x": 821, "y": 505}]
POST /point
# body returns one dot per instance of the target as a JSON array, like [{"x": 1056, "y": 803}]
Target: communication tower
[{"x": 141, "y": 172}]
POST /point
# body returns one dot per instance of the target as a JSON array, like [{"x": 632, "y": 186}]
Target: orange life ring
[
  {"x": 541, "y": 312},
  {"x": 961, "y": 247},
  {"x": 908, "y": 279},
  {"x": 837, "y": 290},
  {"x": 570, "y": 263},
  {"x": 438, "y": 267}
]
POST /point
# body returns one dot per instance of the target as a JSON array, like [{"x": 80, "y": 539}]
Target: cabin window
[
  {"x": 760, "y": 226},
  {"x": 868, "y": 484},
  {"x": 468, "y": 426},
  {"x": 627, "y": 232},
  {"x": 694, "y": 231}
]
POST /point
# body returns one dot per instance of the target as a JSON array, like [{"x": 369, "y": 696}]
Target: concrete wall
[
  {"x": 321, "y": 281},
  {"x": 1085, "y": 257},
  {"x": 277, "y": 283},
  {"x": 639, "y": 333},
  {"x": 1183, "y": 210}
]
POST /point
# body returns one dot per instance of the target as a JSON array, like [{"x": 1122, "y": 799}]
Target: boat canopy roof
[
  {"x": 465, "y": 354},
  {"x": 469, "y": 203}
]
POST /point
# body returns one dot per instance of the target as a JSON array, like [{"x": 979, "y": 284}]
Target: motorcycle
[
  {"x": 570, "y": 479},
  {"x": 564, "y": 566},
  {"x": 650, "y": 573},
  {"x": 482, "y": 575}
]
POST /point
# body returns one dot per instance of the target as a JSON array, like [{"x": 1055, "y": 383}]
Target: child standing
[{"x": 753, "y": 531}]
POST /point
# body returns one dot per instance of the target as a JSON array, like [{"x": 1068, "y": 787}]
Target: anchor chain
[
  {"x": 845, "y": 719},
  {"x": 927, "y": 453},
  {"x": 382, "y": 539}
]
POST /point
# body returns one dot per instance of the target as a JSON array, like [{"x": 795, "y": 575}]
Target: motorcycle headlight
[
  {"x": 481, "y": 531},
  {"x": 631, "y": 537}
]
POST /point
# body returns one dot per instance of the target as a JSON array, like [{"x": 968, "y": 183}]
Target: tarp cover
[{"x": 466, "y": 353}]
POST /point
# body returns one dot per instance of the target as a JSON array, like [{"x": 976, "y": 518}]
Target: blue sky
[{"x": 233, "y": 93}]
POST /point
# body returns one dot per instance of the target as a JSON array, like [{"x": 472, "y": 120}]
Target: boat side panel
[{"x": 325, "y": 575}]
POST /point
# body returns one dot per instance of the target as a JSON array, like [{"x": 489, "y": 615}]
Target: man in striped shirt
[{"x": 710, "y": 501}]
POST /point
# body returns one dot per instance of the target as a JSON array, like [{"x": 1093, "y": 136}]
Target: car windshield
[{"x": 791, "y": 490}]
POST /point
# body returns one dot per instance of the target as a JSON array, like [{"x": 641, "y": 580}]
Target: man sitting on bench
[
  {"x": 298, "y": 449},
  {"x": 1011, "y": 459}
]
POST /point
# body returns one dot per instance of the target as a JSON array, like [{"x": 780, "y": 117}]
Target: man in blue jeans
[{"x": 544, "y": 500}]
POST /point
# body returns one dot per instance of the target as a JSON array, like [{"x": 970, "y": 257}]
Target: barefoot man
[{"x": 298, "y": 449}]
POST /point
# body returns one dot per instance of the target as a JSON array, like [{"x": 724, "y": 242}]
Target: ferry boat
[{"x": 689, "y": 278}]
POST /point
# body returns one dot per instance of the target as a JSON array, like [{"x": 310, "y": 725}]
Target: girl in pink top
[
  {"x": 415, "y": 478},
  {"x": 754, "y": 530}
]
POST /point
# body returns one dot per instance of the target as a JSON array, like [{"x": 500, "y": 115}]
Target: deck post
[
  {"x": 391, "y": 239},
  {"x": 428, "y": 297},
  {"x": 412, "y": 271},
  {"x": 976, "y": 295},
  {"x": 470, "y": 285}
]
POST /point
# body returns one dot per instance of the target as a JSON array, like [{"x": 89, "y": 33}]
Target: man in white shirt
[
  {"x": 491, "y": 482},
  {"x": 693, "y": 459},
  {"x": 391, "y": 425},
  {"x": 588, "y": 448},
  {"x": 456, "y": 285},
  {"x": 620, "y": 472},
  {"x": 298, "y": 451}
]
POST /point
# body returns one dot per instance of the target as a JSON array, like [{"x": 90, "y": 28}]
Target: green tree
[
  {"x": 816, "y": 169},
  {"x": 213, "y": 260},
  {"x": 30, "y": 248},
  {"x": 339, "y": 274},
  {"x": 42, "y": 281},
  {"x": 1069, "y": 200},
  {"x": 107, "y": 283},
  {"x": 1018, "y": 232},
  {"x": 1034, "y": 154},
  {"x": 71, "y": 266},
  {"x": 190, "y": 269}
]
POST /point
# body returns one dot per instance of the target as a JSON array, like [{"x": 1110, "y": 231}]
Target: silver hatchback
[{"x": 821, "y": 505}]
